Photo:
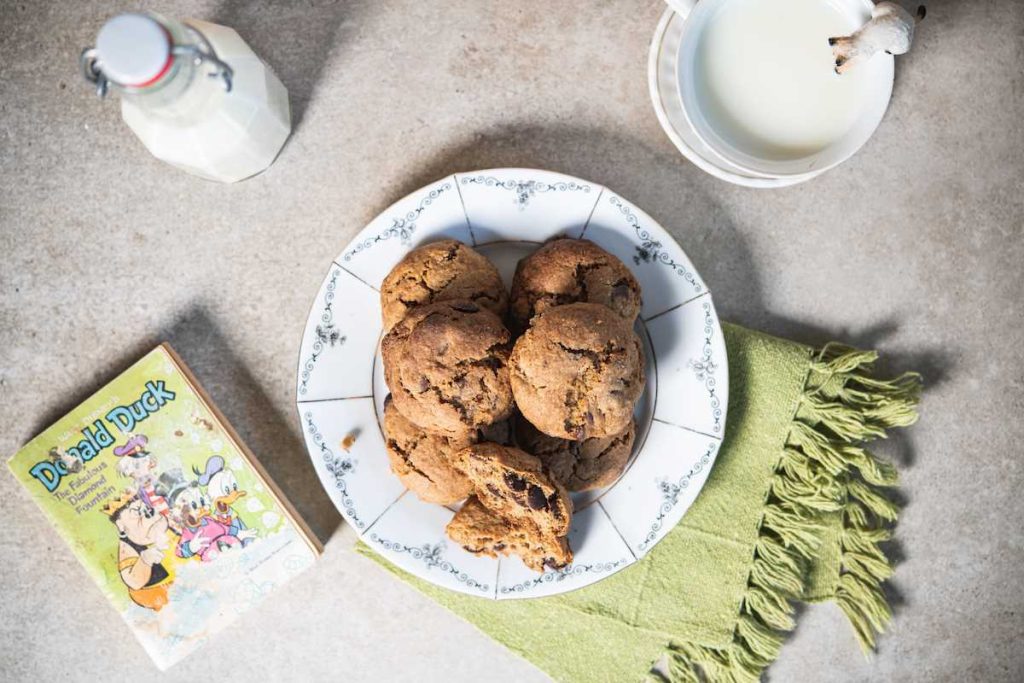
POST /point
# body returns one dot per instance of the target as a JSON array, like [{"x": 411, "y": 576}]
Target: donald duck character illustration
[
  {"x": 143, "y": 538},
  {"x": 222, "y": 487},
  {"x": 202, "y": 536}
]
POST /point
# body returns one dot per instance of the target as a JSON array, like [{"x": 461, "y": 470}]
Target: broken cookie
[
  {"x": 513, "y": 484},
  {"x": 482, "y": 532}
]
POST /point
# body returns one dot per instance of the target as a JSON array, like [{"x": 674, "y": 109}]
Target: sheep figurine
[{"x": 891, "y": 29}]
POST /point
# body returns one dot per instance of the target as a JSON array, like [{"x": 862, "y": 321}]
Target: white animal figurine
[{"x": 891, "y": 29}]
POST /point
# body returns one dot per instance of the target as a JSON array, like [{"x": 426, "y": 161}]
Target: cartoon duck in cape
[
  {"x": 222, "y": 487},
  {"x": 137, "y": 463}
]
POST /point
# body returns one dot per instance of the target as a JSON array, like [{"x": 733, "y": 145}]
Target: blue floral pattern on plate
[
  {"x": 524, "y": 190},
  {"x": 670, "y": 492},
  {"x": 326, "y": 334},
  {"x": 650, "y": 250},
  {"x": 402, "y": 226},
  {"x": 704, "y": 367},
  {"x": 338, "y": 468},
  {"x": 432, "y": 557},
  {"x": 557, "y": 575}
]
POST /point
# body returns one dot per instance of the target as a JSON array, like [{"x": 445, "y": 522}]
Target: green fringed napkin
[{"x": 793, "y": 510}]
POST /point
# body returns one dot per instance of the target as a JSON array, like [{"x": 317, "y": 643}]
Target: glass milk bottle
[{"x": 193, "y": 92}]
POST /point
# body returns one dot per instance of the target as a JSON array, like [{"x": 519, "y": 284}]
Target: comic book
[{"x": 165, "y": 507}]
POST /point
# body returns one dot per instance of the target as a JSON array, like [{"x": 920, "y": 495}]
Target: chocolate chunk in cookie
[
  {"x": 565, "y": 271},
  {"x": 501, "y": 432},
  {"x": 514, "y": 485},
  {"x": 482, "y": 532},
  {"x": 441, "y": 271},
  {"x": 579, "y": 465},
  {"x": 446, "y": 366},
  {"x": 577, "y": 372},
  {"x": 424, "y": 461}
]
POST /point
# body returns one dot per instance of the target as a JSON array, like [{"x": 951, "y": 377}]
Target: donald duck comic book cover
[{"x": 165, "y": 507}]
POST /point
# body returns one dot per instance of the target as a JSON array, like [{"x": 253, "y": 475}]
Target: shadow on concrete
[{"x": 297, "y": 40}]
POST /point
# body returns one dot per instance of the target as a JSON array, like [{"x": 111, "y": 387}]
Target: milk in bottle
[{"x": 193, "y": 92}]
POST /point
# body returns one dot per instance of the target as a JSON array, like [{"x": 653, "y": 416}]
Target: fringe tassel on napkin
[{"x": 824, "y": 476}]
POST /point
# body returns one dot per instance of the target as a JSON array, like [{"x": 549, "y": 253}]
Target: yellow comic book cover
[{"x": 171, "y": 515}]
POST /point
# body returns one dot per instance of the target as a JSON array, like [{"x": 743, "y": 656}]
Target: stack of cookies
[{"x": 456, "y": 381}]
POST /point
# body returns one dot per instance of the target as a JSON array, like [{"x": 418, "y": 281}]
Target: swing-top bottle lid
[{"x": 133, "y": 50}]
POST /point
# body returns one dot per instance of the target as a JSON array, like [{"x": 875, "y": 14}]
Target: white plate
[
  {"x": 505, "y": 214},
  {"x": 664, "y": 89}
]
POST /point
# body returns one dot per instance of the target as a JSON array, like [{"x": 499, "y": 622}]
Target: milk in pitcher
[{"x": 766, "y": 77}]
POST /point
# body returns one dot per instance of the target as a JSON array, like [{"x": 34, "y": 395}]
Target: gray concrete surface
[{"x": 914, "y": 247}]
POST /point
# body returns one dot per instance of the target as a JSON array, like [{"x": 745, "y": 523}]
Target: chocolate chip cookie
[
  {"x": 565, "y": 271},
  {"x": 424, "y": 461},
  {"x": 446, "y": 366},
  {"x": 482, "y": 532},
  {"x": 513, "y": 485},
  {"x": 441, "y": 271},
  {"x": 579, "y": 465},
  {"x": 577, "y": 372}
]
